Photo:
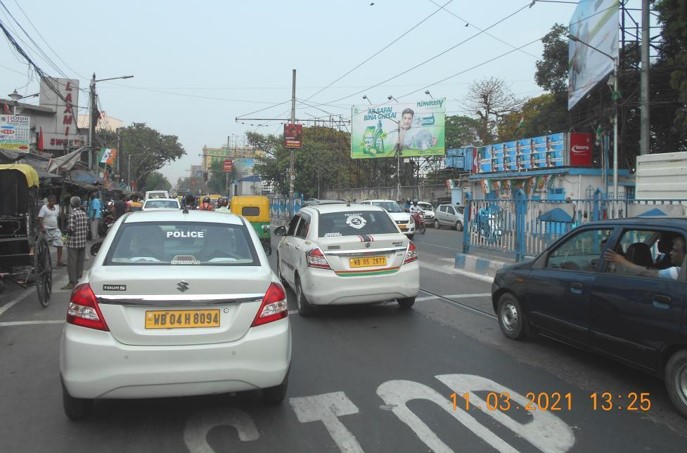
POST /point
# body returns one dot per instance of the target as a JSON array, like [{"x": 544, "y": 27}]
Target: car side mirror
[
  {"x": 407, "y": 210},
  {"x": 280, "y": 231}
]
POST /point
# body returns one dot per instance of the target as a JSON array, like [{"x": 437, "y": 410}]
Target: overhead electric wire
[
  {"x": 467, "y": 23},
  {"x": 473, "y": 67},
  {"x": 47, "y": 80},
  {"x": 262, "y": 110},
  {"x": 432, "y": 58},
  {"x": 380, "y": 51},
  {"x": 46, "y": 42},
  {"x": 34, "y": 44}
]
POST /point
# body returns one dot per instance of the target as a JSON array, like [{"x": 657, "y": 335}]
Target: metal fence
[{"x": 522, "y": 227}]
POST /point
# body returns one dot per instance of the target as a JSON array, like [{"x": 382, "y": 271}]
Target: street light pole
[
  {"x": 16, "y": 97},
  {"x": 91, "y": 114},
  {"x": 615, "y": 109}
]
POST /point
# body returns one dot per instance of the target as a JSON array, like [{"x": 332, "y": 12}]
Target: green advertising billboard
[{"x": 416, "y": 128}]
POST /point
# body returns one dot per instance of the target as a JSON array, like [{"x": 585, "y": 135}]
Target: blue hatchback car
[{"x": 616, "y": 287}]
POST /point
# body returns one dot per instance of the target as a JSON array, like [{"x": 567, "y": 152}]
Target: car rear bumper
[
  {"x": 324, "y": 287},
  {"x": 94, "y": 365}
]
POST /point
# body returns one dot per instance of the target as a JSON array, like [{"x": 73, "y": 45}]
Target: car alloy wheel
[
  {"x": 436, "y": 224},
  {"x": 459, "y": 226}
]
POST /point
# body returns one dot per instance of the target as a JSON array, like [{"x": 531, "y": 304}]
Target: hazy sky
[{"x": 199, "y": 65}]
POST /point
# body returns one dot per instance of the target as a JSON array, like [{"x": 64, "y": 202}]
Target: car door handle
[
  {"x": 662, "y": 302},
  {"x": 576, "y": 287}
]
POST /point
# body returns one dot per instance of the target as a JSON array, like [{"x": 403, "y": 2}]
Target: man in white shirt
[
  {"x": 677, "y": 256},
  {"x": 48, "y": 221}
]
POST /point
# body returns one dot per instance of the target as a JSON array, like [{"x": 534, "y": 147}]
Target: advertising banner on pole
[
  {"x": 293, "y": 136},
  {"x": 595, "y": 24},
  {"x": 416, "y": 128},
  {"x": 15, "y": 132}
]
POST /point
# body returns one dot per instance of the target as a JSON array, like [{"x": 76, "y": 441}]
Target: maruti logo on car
[{"x": 182, "y": 286}]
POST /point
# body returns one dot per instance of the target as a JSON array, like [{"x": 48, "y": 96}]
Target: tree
[
  {"x": 149, "y": 150},
  {"x": 157, "y": 181},
  {"x": 541, "y": 115},
  {"x": 322, "y": 163},
  {"x": 552, "y": 69},
  {"x": 462, "y": 131},
  {"x": 672, "y": 14},
  {"x": 490, "y": 99}
]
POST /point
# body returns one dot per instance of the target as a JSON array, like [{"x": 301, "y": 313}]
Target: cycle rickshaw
[{"x": 24, "y": 250}]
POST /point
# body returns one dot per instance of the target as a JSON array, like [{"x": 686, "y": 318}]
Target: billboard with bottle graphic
[{"x": 416, "y": 128}]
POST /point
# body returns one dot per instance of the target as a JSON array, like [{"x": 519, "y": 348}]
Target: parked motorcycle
[{"x": 419, "y": 219}]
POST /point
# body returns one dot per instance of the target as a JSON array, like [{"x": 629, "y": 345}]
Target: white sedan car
[
  {"x": 347, "y": 254},
  {"x": 402, "y": 218},
  {"x": 155, "y": 204},
  {"x": 176, "y": 303}
]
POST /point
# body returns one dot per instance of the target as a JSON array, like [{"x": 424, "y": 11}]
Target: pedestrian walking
[
  {"x": 77, "y": 230},
  {"x": 95, "y": 213},
  {"x": 48, "y": 221}
]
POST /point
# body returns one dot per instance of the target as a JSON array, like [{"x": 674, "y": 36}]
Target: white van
[{"x": 157, "y": 194}]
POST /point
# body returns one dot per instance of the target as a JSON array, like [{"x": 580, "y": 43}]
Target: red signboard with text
[
  {"x": 228, "y": 165},
  {"x": 292, "y": 136},
  {"x": 580, "y": 148}
]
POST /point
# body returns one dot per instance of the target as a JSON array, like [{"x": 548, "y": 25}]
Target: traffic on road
[{"x": 203, "y": 366}]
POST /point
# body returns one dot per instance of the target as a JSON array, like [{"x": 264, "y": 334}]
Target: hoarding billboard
[
  {"x": 547, "y": 151},
  {"x": 417, "y": 128},
  {"x": 15, "y": 132},
  {"x": 595, "y": 24}
]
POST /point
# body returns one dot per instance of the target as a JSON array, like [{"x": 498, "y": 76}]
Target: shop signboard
[{"x": 15, "y": 132}]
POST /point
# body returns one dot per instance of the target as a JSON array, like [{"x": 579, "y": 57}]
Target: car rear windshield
[
  {"x": 182, "y": 244},
  {"x": 390, "y": 206},
  {"x": 353, "y": 223},
  {"x": 161, "y": 204}
]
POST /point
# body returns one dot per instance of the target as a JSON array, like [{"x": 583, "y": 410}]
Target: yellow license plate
[
  {"x": 181, "y": 319},
  {"x": 403, "y": 227},
  {"x": 368, "y": 261}
]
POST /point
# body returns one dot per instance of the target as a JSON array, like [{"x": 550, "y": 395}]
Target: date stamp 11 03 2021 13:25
[{"x": 552, "y": 401}]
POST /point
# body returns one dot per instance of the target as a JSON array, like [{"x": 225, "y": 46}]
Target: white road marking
[
  {"x": 327, "y": 408},
  {"x": 31, "y": 323},
  {"x": 17, "y": 299},
  {"x": 454, "y": 296},
  {"x": 544, "y": 430},
  {"x": 450, "y": 270},
  {"x": 397, "y": 394},
  {"x": 198, "y": 426}
]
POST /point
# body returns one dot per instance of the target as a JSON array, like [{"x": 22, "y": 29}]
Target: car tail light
[
  {"x": 411, "y": 254},
  {"x": 273, "y": 306},
  {"x": 316, "y": 258},
  {"x": 83, "y": 309}
]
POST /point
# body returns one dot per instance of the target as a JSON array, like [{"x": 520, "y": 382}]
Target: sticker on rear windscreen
[
  {"x": 186, "y": 234},
  {"x": 114, "y": 287},
  {"x": 355, "y": 221}
]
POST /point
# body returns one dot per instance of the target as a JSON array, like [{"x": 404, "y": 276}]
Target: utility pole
[
  {"x": 645, "y": 129},
  {"x": 91, "y": 122},
  {"x": 292, "y": 161}
]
